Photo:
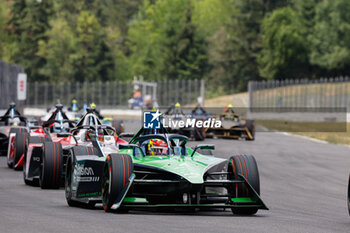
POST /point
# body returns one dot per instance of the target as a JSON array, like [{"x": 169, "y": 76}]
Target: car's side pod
[{"x": 117, "y": 178}]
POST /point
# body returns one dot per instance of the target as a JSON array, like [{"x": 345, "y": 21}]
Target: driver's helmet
[
  {"x": 90, "y": 134},
  {"x": 157, "y": 147},
  {"x": 59, "y": 128},
  {"x": 14, "y": 121},
  {"x": 228, "y": 108}
]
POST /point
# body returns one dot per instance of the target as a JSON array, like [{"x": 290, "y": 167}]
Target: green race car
[{"x": 158, "y": 170}]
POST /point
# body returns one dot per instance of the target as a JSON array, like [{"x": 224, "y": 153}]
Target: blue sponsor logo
[{"x": 151, "y": 120}]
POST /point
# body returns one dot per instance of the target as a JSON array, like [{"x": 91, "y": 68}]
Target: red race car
[{"x": 45, "y": 160}]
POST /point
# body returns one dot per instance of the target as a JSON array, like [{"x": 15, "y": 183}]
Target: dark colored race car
[
  {"x": 157, "y": 170},
  {"x": 175, "y": 113},
  {"x": 348, "y": 199},
  {"x": 232, "y": 126},
  {"x": 11, "y": 123}
]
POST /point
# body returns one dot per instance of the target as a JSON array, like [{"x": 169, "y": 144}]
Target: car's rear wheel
[
  {"x": 251, "y": 129},
  {"x": 199, "y": 134},
  {"x": 18, "y": 130},
  {"x": 349, "y": 195},
  {"x": 246, "y": 166},
  {"x": 119, "y": 126},
  {"x": 115, "y": 178},
  {"x": 36, "y": 139},
  {"x": 52, "y": 163},
  {"x": 20, "y": 149},
  {"x": 15, "y": 130}
]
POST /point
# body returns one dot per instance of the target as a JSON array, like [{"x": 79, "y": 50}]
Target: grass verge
[{"x": 333, "y": 132}]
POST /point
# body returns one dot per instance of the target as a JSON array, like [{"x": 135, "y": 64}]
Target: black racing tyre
[
  {"x": 3, "y": 148},
  {"x": 18, "y": 130},
  {"x": 119, "y": 126},
  {"x": 68, "y": 184},
  {"x": 251, "y": 128},
  {"x": 13, "y": 130},
  {"x": 349, "y": 195},
  {"x": 36, "y": 139},
  {"x": 246, "y": 166},
  {"x": 115, "y": 178},
  {"x": 20, "y": 148},
  {"x": 205, "y": 152},
  {"x": 199, "y": 134},
  {"x": 86, "y": 150},
  {"x": 52, "y": 163}
]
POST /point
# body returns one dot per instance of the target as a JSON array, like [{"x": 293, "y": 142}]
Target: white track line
[{"x": 303, "y": 137}]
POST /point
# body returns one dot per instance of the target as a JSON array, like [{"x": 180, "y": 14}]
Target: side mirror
[
  {"x": 202, "y": 147},
  {"x": 128, "y": 146},
  {"x": 126, "y": 135}
]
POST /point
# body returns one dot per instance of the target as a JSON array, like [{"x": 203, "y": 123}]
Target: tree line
[{"x": 226, "y": 42}]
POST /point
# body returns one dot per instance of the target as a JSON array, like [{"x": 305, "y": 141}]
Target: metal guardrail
[
  {"x": 112, "y": 94},
  {"x": 300, "y": 94},
  {"x": 8, "y": 83}
]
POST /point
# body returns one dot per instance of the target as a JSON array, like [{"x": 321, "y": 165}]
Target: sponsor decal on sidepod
[{"x": 84, "y": 174}]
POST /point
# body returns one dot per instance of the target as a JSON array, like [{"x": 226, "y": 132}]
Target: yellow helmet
[
  {"x": 74, "y": 101},
  {"x": 150, "y": 145},
  {"x": 177, "y": 105},
  {"x": 93, "y": 105},
  {"x": 229, "y": 106}
]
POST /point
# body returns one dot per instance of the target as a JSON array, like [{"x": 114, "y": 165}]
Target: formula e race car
[
  {"x": 175, "y": 114},
  {"x": 232, "y": 126},
  {"x": 37, "y": 157},
  {"x": 46, "y": 160},
  {"x": 157, "y": 170},
  {"x": 11, "y": 123},
  {"x": 348, "y": 199}
]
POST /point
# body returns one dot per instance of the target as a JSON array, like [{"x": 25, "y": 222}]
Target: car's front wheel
[
  {"x": 349, "y": 195},
  {"x": 115, "y": 179},
  {"x": 52, "y": 164},
  {"x": 20, "y": 149},
  {"x": 246, "y": 166}
]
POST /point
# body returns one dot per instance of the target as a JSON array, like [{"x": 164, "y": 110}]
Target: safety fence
[
  {"x": 113, "y": 94},
  {"x": 8, "y": 83},
  {"x": 325, "y": 93}
]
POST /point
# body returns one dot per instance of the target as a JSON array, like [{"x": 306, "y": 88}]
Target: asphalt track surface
[{"x": 304, "y": 183}]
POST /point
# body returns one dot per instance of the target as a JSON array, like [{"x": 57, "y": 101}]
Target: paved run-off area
[{"x": 304, "y": 183}]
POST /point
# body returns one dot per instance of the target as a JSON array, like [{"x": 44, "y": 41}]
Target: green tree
[
  {"x": 284, "y": 54},
  {"x": 18, "y": 12},
  {"x": 210, "y": 16},
  {"x": 90, "y": 60},
  {"x": 247, "y": 40},
  {"x": 28, "y": 23},
  {"x": 57, "y": 51},
  {"x": 5, "y": 39},
  {"x": 330, "y": 47},
  {"x": 165, "y": 43}
]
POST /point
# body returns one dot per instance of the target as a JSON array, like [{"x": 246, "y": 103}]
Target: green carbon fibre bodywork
[{"x": 190, "y": 168}]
